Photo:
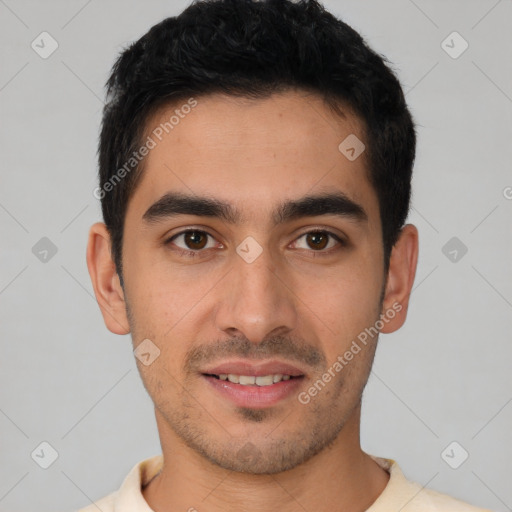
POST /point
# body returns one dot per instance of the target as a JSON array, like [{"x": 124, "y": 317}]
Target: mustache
[{"x": 291, "y": 349}]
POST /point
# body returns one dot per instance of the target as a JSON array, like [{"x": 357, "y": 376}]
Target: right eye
[{"x": 193, "y": 242}]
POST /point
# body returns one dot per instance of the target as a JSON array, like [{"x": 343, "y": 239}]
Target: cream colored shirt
[{"x": 400, "y": 494}]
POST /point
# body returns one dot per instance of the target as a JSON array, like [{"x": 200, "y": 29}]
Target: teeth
[
  {"x": 266, "y": 380},
  {"x": 246, "y": 380},
  {"x": 251, "y": 380}
]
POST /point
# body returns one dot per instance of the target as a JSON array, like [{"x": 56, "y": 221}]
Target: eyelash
[{"x": 193, "y": 254}]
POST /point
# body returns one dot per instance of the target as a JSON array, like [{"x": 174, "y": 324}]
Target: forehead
[{"x": 253, "y": 152}]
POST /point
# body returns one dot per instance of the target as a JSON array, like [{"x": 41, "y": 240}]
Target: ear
[
  {"x": 402, "y": 269},
  {"x": 105, "y": 280}
]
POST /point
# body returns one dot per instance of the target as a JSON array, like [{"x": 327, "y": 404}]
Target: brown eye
[
  {"x": 318, "y": 241},
  {"x": 192, "y": 240},
  {"x": 195, "y": 239}
]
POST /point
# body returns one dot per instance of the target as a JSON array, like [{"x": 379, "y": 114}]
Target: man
[{"x": 255, "y": 173}]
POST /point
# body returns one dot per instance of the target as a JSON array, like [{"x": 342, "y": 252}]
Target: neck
[{"x": 341, "y": 477}]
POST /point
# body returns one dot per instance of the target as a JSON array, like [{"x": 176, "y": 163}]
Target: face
[{"x": 256, "y": 282}]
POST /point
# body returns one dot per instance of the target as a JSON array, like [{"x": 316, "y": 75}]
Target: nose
[{"x": 256, "y": 301}]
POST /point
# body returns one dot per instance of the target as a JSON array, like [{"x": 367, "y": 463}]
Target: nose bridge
[{"x": 256, "y": 301}]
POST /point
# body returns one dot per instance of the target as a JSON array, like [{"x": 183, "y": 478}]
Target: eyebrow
[{"x": 175, "y": 203}]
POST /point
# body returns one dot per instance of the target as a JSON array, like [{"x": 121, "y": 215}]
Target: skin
[{"x": 289, "y": 304}]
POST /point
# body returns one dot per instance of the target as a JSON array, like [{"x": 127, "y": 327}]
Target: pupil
[
  {"x": 192, "y": 239},
  {"x": 316, "y": 238}
]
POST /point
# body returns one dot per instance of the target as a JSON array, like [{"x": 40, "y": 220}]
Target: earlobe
[
  {"x": 401, "y": 273},
  {"x": 105, "y": 281}
]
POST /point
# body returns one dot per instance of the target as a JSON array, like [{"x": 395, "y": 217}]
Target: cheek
[
  {"x": 165, "y": 305},
  {"x": 161, "y": 292},
  {"x": 348, "y": 305}
]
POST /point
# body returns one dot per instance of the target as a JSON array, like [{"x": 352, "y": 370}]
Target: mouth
[
  {"x": 247, "y": 385},
  {"x": 253, "y": 380}
]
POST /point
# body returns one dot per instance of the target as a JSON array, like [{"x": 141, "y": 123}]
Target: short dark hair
[{"x": 252, "y": 49}]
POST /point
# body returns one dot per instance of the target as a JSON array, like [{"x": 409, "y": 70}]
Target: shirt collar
[{"x": 129, "y": 497}]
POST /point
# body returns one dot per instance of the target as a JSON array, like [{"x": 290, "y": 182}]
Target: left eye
[{"x": 319, "y": 240}]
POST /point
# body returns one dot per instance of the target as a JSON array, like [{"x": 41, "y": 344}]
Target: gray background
[{"x": 444, "y": 377}]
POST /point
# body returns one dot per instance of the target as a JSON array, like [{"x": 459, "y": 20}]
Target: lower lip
[{"x": 256, "y": 397}]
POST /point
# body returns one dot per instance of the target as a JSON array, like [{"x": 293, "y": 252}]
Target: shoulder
[
  {"x": 409, "y": 496},
  {"x": 436, "y": 501},
  {"x": 129, "y": 495}
]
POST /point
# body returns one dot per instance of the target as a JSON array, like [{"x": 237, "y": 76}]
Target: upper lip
[{"x": 247, "y": 368}]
